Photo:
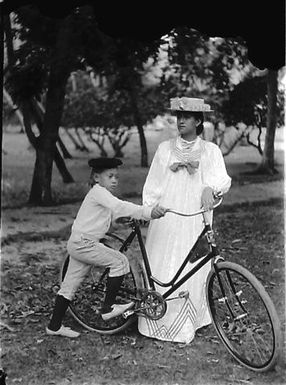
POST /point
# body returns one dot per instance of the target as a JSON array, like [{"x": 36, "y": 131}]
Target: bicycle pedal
[
  {"x": 184, "y": 294},
  {"x": 127, "y": 313}
]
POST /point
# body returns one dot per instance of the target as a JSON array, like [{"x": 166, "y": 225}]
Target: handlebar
[
  {"x": 129, "y": 220},
  {"x": 220, "y": 198}
]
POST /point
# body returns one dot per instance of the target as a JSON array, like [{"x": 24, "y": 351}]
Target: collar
[{"x": 184, "y": 144}]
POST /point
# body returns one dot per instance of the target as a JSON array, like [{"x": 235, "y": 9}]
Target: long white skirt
[{"x": 168, "y": 242}]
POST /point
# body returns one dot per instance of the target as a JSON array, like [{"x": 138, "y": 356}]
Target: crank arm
[{"x": 130, "y": 312}]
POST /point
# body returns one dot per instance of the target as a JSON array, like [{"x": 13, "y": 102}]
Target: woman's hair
[{"x": 199, "y": 116}]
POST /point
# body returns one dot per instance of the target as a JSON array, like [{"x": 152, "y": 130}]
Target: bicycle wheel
[
  {"x": 87, "y": 302},
  {"x": 244, "y": 316}
]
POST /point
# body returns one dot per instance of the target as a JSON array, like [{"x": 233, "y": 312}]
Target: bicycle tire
[
  {"x": 244, "y": 316},
  {"x": 87, "y": 301}
]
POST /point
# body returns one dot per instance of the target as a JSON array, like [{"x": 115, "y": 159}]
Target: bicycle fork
[{"x": 225, "y": 300}]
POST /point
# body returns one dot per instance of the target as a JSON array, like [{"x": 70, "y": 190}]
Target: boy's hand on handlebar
[
  {"x": 158, "y": 212},
  {"x": 207, "y": 199},
  {"x": 122, "y": 221}
]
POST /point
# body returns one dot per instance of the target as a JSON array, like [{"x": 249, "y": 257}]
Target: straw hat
[{"x": 189, "y": 105}]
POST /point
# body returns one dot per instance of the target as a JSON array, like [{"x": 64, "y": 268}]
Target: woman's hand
[
  {"x": 158, "y": 212},
  {"x": 207, "y": 199}
]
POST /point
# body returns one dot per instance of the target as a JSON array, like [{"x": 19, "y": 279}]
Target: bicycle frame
[{"x": 174, "y": 283}]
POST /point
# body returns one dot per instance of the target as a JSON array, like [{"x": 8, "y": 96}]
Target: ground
[{"x": 249, "y": 229}]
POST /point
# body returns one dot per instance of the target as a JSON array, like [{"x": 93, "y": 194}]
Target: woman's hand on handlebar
[
  {"x": 158, "y": 212},
  {"x": 207, "y": 199}
]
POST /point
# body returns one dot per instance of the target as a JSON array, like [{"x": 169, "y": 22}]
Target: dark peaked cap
[{"x": 104, "y": 163}]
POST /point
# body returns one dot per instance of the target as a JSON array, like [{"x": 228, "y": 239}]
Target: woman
[{"x": 185, "y": 173}]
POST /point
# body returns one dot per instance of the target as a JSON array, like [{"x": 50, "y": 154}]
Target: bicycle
[{"x": 241, "y": 310}]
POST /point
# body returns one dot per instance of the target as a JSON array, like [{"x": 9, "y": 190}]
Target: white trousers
[{"x": 84, "y": 253}]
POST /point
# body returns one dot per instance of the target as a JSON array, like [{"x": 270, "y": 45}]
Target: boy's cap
[{"x": 104, "y": 163}]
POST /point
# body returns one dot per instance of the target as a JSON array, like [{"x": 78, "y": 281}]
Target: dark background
[{"x": 260, "y": 23}]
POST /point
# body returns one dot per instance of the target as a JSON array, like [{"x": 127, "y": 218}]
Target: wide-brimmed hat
[{"x": 189, "y": 105}]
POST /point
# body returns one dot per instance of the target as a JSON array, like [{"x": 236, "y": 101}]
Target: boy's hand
[
  {"x": 158, "y": 212},
  {"x": 123, "y": 220},
  {"x": 207, "y": 199}
]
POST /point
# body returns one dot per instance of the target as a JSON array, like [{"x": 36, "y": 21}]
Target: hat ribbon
[{"x": 191, "y": 166}]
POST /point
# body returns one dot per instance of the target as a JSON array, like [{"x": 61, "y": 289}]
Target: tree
[
  {"x": 100, "y": 115},
  {"x": 212, "y": 68},
  {"x": 267, "y": 163},
  {"x": 123, "y": 86},
  {"x": 248, "y": 103},
  {"x": 202, "y": 66},
  {"x": 50, "y": 50},
  {"x": 125, "y": 72}
]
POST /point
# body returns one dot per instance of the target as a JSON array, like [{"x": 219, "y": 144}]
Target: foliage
[
  {"x": 247, "y": 104},
  {"x": 106, "y": 108},
  {"x": 196, "y": 65},
  {"x": 38, "y": 36},
  {"x": 26, "y": 81},
  {"x": 200, "y": 66},
  {"x": 246, "y": 101},
  {"x": 126, "y": 74}
]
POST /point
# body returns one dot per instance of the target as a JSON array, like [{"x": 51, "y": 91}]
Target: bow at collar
[{"x": 191, "y": 166}]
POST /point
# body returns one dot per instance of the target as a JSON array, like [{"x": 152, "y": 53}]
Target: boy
[{"x": 92, "y": 222}]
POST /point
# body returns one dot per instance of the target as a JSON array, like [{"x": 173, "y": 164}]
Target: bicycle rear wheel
[
  {"x": 87, "y": 302},
  {"x": 244, "y": 316}
]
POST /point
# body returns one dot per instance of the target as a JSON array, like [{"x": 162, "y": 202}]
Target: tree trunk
[
  {"x": 39, "y": 113},
  {"x": 118, "y": 153},
  {"x": 66, "y": 153},
  {"x": 60, "y": 163},
  {"x": 36, "y": 189},
  {"x": 46, "y": 148},
  {"x": 140, "y": 128},
  {"x": 267, "y": 164},
  {"x": 35, "y": 197},
  {"x": 82, "y": 144},
  {"x": 143, "y": 143},
  {"x": 75, "y": 143},
  {"x": 15, "y": 108}
]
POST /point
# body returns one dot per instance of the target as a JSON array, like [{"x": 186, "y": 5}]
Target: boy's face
[
  {"x": 108, "y": 179},
  {"x": 186, "y": 123}
]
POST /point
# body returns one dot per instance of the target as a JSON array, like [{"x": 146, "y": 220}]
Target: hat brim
[
  {"x": 171, "y": 109},
  {"x": 104, "y": 163}
]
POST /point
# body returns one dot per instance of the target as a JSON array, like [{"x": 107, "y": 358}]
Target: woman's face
[
  {"x": 108, "y": 179},
  {"x": 187, "y": 123}
]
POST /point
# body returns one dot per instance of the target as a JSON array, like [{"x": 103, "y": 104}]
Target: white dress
[{"x": 170, "y": 238}]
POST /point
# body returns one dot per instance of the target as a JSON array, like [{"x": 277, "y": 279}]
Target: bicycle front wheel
[
  {"x": 87, "y": 302},
  {"x": 244, "y": 316}
]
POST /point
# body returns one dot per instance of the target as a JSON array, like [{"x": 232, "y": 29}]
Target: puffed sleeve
[
  {"x": 153, "y": 186},
  {"x": 214, "y": 170}
]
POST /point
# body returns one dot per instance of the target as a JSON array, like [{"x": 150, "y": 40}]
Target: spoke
[
  {"x": 257, "y": 348},
  {"x": 242, "y": 319}
]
